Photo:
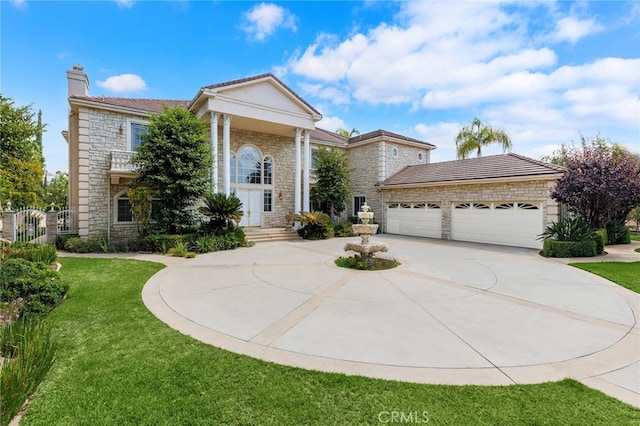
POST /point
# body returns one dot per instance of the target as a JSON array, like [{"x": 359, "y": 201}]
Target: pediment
[{"x": 266, "y": 93}]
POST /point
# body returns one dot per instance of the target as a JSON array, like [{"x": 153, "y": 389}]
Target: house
[{"x": 263, "y": 137}]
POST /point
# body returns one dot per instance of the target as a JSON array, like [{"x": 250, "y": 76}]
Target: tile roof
[
  {"x": 328, "y": 136},
  {"x": 385, "y": 133},
  {"x": 259, "y": 77},
  {"x": 149, "y": 105},
  {"x": 490, "y": 167}
]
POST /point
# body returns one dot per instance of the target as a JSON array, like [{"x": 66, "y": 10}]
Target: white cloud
[
  {"x": 127, "y": 4},
  {"x": 20, "y": 4},
  {"x": 264, "y": 19},
  {"x": 331, "y": 123},
  {"x": 124, "y": 83},
  {"x": 572, "y": 29}
]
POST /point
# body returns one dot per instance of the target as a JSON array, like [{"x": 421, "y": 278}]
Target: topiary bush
[
  {"x": 555, "y": 248},
  {"x": 41, "y": 287}
]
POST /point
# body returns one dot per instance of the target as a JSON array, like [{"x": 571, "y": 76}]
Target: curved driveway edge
[{"x": 453, "y": 313}]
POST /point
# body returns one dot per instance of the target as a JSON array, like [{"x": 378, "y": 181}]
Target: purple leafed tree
[{"x": 601, "y": 183}]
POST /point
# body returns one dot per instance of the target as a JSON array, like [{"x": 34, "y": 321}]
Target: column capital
[
  {"x": 226, "y": 118},
  {"x": 298, "y": 132},
  {"x": 214, "y": 116}
]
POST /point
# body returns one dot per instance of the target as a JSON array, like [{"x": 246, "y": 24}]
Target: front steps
[{"x": 260, "y": 235}]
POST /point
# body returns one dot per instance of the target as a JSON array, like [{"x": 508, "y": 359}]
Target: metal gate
[
  {"x": 67, "y": 222},
  {"x": 30, "y": 225}
]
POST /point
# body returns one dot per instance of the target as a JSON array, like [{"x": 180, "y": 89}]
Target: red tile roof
[
  {"x": 490, "y": 167},
  {"x": 328, "y": 136}
]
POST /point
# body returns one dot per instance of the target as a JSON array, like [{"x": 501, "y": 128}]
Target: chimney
[{"x": 77, "y": 81}]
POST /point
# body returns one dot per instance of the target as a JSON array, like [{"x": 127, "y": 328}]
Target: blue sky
[{"x": 545, "y": 71}]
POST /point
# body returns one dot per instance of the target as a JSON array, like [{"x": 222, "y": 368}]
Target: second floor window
[{"x": 137, "y": 130}]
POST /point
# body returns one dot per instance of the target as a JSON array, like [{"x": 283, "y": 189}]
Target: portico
[{"x": 262, "y": 125}]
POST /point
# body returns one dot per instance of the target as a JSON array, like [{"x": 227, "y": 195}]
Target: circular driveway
[{"x": 451, "y": 313}]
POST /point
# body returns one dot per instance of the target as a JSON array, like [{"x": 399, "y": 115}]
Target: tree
[
  {"x": 21, "y": 162},
  {"x": 476, "y": 135},
  {"x": 174, "y": 162},
  {"x": 601, "y": 183},
  {"x": 57, "y": 191},
  {"x": 333, "y": 184},
  {"x": 346, "y": 133}
]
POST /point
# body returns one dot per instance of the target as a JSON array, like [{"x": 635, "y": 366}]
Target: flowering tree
[{"x": 601, "y": 183}]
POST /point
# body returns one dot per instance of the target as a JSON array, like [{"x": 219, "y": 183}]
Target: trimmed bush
[
  {"x": 40, "y": 286},
  {"x": 555, "y": 248},
  {"x": 601, "y": 240}
]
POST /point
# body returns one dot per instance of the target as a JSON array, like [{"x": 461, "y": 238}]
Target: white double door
[{"x": 251, "y": 206}]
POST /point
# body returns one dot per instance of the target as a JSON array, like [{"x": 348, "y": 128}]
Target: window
[
  {"x": 394, "y": 152},
  {"x": 394, "y": 206},
  {"x": 527, "y": 206},
  {"x": 420, "y": 156},
  {"x": 314, "y": 158},
  {"x": 357, "y": 204},
  {"x": 232, "y": 162},
  {"x": 123, "y": 211},
  {"x": 505, "y": 206},
  {"x": 463, "y": 206},
  {"x": 480, "y": 206},
  {"x": 136, "y": 130},
  {"x": 268, "y": 171},
  {"x": 420, "y": 206},
  {"x": 249, "y": 165},
  {"x": 432, "y": 206},
  {"x": 267, "y": 203}
]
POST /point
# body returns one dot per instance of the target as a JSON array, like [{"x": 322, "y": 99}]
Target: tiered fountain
[{"x": 366, "y": 249}]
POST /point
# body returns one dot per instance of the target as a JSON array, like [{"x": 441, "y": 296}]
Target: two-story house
[{"x": 263, "y": 136}]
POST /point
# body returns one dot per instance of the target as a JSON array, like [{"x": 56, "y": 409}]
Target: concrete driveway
[{"x": 455, "y": 313}]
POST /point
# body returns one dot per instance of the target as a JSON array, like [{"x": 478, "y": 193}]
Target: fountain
[{"x": 366, "y": 249}]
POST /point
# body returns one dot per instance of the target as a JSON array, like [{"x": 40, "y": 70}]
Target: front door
[{"x": 251, "y": 206}]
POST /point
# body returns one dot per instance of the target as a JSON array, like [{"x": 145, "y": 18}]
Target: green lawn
[
  {"x": 119, "y": 365},
  {"x": 627, "y": 274},
  {"x": 635, "y": 237}
]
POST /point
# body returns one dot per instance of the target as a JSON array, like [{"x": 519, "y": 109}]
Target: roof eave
[
  {"x": 109, "y": 107},
  {"x": 530, "y": 178}
]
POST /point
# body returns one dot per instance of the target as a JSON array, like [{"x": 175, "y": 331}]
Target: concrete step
[{"x": 258, "y": 235}]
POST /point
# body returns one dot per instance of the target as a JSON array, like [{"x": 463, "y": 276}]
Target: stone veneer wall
[
  {"x": 537, "y": 191},
  {"x": 282, "y": 150},
  {"x": 100, "y": 132},
  {"x": 373, "y": 163}
]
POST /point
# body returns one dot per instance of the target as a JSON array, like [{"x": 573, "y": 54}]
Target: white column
[
  {"x": 298, "y": 180},
  {"x": 307, "y": 166},
  {"x": 226, "y": 153},
  {"x": 214, "y": 151}
]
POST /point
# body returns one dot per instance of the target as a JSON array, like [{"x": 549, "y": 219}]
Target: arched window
[{"x": 249, "y": 165}]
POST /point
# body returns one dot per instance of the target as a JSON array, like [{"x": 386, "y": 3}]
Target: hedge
[{"x": 555, "y": 248}]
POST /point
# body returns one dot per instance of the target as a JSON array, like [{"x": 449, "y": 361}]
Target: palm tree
[
  {"x": 476, "y": 135},
  {"x": 221, "y": 209},
  {"x": 346, "y": 133}
]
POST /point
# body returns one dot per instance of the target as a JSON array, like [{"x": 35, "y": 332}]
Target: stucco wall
[{"x": 536, "y": 191}]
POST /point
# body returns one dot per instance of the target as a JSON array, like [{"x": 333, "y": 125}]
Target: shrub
[
  {"x": 573, "y": 228},
  {"x": 29, "y": 352},
  {"x": 43, "y": 253},
  {"x": 61, "y": 240},
  {"x": 601, "y": 240},
  {"x": 315, "y": 225},
  {"x": 222, "y": 210},
  {"x": 617, "y": 232},
  {"x": 343, "y": 229},
  {"x": 205, "y": 244},
  {"x": 87, "y": 245},
  {"x": 159, "y": 243},
  {"x": 554, "y": 248},
  {"x": 38, "y": 284},
  {"x": 179, "y": 250}
]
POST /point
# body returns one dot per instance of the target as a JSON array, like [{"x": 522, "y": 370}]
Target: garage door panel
[
  {"x": 420, "y": 222},
  {"x": 507, "y": 226}
]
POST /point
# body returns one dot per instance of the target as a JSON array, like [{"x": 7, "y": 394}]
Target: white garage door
[
  {"x": 510, "y": 224},
  {"x": 416, "y": 219}
]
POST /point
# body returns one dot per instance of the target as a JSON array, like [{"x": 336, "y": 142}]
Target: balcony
[{"x": 121, "y": 166}]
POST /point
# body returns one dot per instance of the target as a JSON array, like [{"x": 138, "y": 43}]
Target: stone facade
[{"x": 447, "y": 195}]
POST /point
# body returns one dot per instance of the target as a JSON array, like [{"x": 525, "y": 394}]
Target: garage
[
  {"x": 508, "y": 223},
  {"x": 421, "y": 219}
]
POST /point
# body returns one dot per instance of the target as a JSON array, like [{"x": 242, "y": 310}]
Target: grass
[
  {"x": 626, "y": 274},
  {"x": 356, "y": 262},
  {"x": 119, "y": 365},
  {"x": 635, "y": 237}
]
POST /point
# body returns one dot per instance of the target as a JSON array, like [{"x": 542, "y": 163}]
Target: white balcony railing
[{"x": 121, "y": 161}]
